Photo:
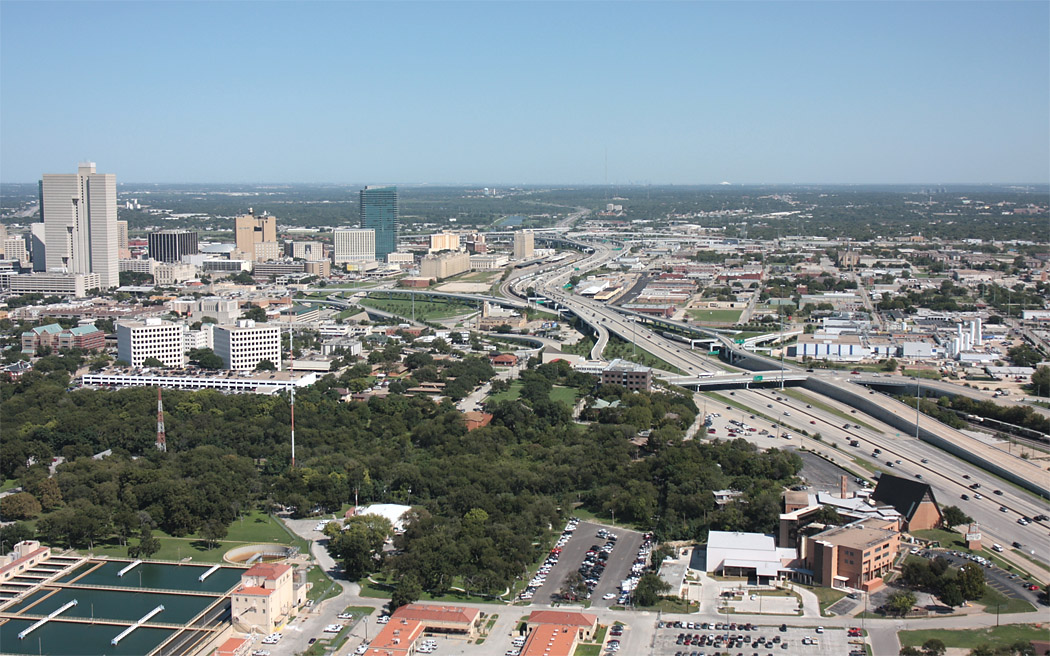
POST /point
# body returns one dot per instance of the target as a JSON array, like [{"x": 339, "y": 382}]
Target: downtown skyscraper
[
  {"x": 379, "y": 213},
  {"x": 80, "y": 223}
]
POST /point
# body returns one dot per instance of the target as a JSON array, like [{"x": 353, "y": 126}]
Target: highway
[{"x": 941, "y": 470}]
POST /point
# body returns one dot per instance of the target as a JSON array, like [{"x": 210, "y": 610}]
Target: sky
[{"x": 502, "y": 93}]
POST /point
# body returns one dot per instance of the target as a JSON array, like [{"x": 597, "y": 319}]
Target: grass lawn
[
  {"x": 715, "y": 316},
  {"x": 255, "y": 527},
  {"x": 999, "y": 636},
  {"x": 826, "y": 596},
  {"x": 425, "y": 310},
  {"x": 566, "y": 395},
  {"x": 381, "y": 590},
  {"x": 323, "y": 587},
  {"x": 8, "y": 484},
  {"x": 923, "y": 373},
  {"x": 509, "y": 395},
  {"x": 588, "y": 650},
  {"x": 1006, "y": 604}
]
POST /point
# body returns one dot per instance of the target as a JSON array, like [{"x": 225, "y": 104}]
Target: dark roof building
[{"x": 913, "y": 499}]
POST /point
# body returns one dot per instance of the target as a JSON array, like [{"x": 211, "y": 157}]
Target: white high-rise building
[
  {"x": 152, "y": 338},
  {"x": 80, "y": 222},
  {"x": 246, "y": 344},
  {"x": 354, "y": 246}
]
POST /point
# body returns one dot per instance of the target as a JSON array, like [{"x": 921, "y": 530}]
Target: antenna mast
[
  {"x": 162, "y": 442},
  {"x": 293, "y": 426}
]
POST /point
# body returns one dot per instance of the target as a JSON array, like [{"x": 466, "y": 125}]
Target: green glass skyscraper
[{"x": 379, "y": 213}]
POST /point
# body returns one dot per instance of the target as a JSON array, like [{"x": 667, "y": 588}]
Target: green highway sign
[
  {"x": 739, "y": 341},
  {"x": 757, "y": 379}
]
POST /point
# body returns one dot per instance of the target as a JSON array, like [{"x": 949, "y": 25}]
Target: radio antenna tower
[
  {"x": 293, "y": 427},
  {"x": 162, "y": 442}
]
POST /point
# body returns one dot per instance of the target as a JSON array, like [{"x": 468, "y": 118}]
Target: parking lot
[
  {"x": 618, "y": 566},
  {"x": 671, "y": 640}
]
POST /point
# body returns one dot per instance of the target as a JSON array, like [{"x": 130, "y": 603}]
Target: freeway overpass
[{"x": 735, "y": 381}]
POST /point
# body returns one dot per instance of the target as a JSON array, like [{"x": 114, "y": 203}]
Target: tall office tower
[
  {"x": 123, "y": 252},
  {"x": 251, "y": 230},
  {"x": 37, "y": 250},
  {"x": 171, "y": 245},
  {"x": 379, "y": 213},
  {"x": 524, "y": 244},
  {"x": 353, "y": 245},
  {"x": 80, "y": 222}
]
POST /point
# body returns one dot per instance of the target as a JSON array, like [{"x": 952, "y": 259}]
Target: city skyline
[{"x": 536, "y": 93}]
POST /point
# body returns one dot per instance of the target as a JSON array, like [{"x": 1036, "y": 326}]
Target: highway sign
[
  {"x": 739, "y": 341},
  {"x": 757, "y": 379}
]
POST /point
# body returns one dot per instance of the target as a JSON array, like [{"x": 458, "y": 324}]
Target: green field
[
  {"x": 255, "y": 527},
  {"x": 425, "y": 310},
  {"x": 715, "y": 316},
  {"x": 566, "y": 395},
  {"x": 1000, "y": 636},
  {"x": 922, "y": 373}
]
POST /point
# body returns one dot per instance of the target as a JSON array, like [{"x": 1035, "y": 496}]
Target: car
[
  {"x": 924, "y": 461},
  {"x": 999, "y": 492},
  {"x": 808, "y": 405},
  {"x": 1003, "y": 509},
  {"x": 345, "y": 616},
  {"x": 889, "y": 463},
  {"x": 787, "y": 414},
  {"x": 311, "y": 641},
  {"x": 854, "y": 372},
  {"x": 820, "y": 629},
  {"x": 919, "y": 476},
  {"x": 609, "y": 595},
  {"x": 897, "y": 461},
  {"x": 977, "y": 496},
  {"x": 966, "y": 476},
  {"x": 812, "y": 421},
  {"x": 965, "y": 497},
  {"x": 846, "y": 425}
]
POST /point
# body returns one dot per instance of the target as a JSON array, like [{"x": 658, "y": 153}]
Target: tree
[
  {"x": 21, "y": 505},
  {"x": 12, "y": 534},
  {"x": 951, "y": 594},
  {"x": 573, "y": 587},
  {"x": 405, "y": 592},
  {"x": 152, "y": 362},
  {"x": 971, "y": 581},
  {"x": 147, "y": 546},
  {"x": 265, "y": 365},
  {"x": 890, "y": 365},
  {"x": 934, "y": 647},
  {"x": 213, "y": 532},
  {"x": 954, "y": 516},
  {"x": 255, "y": 313},
  {"x": 910, "y": 651},
  {"x": 650, "y": 587},
  {"x": 205, "y": 358},
  {"x": 900, "y": 602},
  {"x": 1041, "y": 381},
  {"x": 1024, "y": 355}
]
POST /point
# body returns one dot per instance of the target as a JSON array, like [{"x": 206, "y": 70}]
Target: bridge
[{"x": 735, "y": 381}]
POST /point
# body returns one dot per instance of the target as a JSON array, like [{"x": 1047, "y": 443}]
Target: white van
[{"x": 997, "y": 548}]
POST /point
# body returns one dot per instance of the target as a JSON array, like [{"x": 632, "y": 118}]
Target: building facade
[
  {"x": 352, "y": 245},
  {"x": 80, "y": 223},
  {"x": 633, "y": 376},
  {"x": 445, "y": 265},
  {"x": 152, "y": 338},
  {"x": 379, "y": 212},
  {"x": 65, "y": 284},
  {"x": 444, "y": 241},
  {"x": 524, "y": 244},
  {"x": 307, "y": 250},
  {"x": 171, "y": 245},
  {"x": 250, "y": 231},
  {"x": 244, "y": 345}
]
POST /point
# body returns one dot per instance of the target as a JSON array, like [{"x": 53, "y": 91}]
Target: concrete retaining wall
[{"x": 867, "y": 405}]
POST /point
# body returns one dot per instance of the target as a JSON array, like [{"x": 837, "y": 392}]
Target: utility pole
[
  {"x": 293, "y": 425},
  {"x": 162, "y": 441},
  {"x": 917, "y": 397}
]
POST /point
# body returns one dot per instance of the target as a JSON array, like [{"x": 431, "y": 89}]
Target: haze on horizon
[{"x": 528, "y": 93}]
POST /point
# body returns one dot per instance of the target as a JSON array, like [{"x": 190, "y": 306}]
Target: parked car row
[
  {"x": 637, "y": 568},
  {"x": 548, "y": 564}
]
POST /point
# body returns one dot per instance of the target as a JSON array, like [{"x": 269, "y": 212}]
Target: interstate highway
[{"x": 943, "y": 471}]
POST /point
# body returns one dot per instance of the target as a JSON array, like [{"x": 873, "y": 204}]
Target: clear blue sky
[{"x": 503, "y": 93}]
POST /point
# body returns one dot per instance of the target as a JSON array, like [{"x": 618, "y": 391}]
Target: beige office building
[
  {"x": 80, "y": 223},
  {"x": 256, "y": 236},
  {"x": 122, "y": 240},
  {"x": 307, "y": 250},
  {"x": 353, "y": 245},
  {"x": 15, "y": 249},
  {"x": 445, "y": 265},
  {"x": 444, "y": 241},
  {"x": 524, "y": 244}
]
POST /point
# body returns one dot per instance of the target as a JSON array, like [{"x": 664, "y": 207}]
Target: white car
[
  {"x": 609, "y": 595},
  {"x": 345, "y": 616},
  {"x": 360, "y": 650}
]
